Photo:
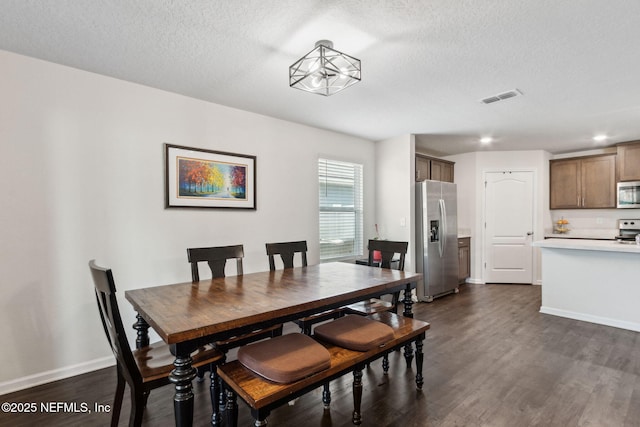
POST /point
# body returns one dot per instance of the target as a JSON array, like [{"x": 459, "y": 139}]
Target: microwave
[{"x": 629, "y": 194}]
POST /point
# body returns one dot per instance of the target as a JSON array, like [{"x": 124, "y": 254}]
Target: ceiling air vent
[{"x": 501, "y": 96}]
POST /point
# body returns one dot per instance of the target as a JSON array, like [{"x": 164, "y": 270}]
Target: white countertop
[
  {"x": 587, "y": 245},
  {"x": 464, "y": 232},
  {"x": 596, "y": 234}
]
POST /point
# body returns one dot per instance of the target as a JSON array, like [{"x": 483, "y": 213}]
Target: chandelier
[{"x": 324, "y": 70}]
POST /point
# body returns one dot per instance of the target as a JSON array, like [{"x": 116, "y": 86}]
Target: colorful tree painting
[
  {"x": 238, "y": 177},
  {"x": 203, "y": 178}
]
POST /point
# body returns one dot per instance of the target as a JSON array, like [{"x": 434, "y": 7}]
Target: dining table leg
[
  {"x": 181, "y": 377},
  {"x": 407, "y": 302}
]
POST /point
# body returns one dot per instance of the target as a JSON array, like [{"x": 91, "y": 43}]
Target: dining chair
[
  {"x": 287, "y": 252},
  {"x": 216, "y": 257},
  {"x": 144, "y": 369},
  {"x": 388, "y": 250}
]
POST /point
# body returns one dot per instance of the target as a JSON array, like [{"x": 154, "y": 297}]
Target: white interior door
[{"x": 509, "y": 226}]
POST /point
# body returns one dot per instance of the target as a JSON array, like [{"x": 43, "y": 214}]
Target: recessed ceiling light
[
  {"x": 600, "y": 138},
  {"x": 486, "y": 140}
]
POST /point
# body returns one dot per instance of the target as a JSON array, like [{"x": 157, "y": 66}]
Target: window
[{"x": 340, "y": 198}]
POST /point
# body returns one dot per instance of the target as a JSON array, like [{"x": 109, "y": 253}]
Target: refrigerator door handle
[{"x": 443, "y": 228}]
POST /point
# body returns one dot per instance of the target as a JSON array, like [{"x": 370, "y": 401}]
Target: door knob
[{"x": 530, "y": 233}]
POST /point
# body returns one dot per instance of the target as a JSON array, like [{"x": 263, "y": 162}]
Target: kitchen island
[{"x": 596, "y": 281}]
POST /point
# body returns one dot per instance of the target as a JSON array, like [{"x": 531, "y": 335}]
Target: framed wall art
[{"x": 199, "y": 178}]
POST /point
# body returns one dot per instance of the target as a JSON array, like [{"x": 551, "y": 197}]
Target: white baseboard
[
  {"x": 481, "y": 282},
  {"x": 55, "y": 375},
  {"x": 631, "y": 326}
]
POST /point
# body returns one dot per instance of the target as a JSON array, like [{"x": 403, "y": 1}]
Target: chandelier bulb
[{"x": 316, "y": 81}]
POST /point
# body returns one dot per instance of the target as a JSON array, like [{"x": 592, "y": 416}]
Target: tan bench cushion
[
  {"x": 355, "y": 333},
  {"x": 286, "y": 358}
]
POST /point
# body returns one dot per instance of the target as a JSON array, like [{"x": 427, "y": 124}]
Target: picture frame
[{"x": 200, "y": 178}]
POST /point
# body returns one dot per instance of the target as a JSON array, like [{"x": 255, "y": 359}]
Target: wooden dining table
[{"x": 187, "y": 315}]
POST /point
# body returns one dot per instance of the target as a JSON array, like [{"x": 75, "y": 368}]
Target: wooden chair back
[
  {"x": 286, "y": 250},
  {"x": 105, "y": 289},
  {"x": 388, "y": 250},
  {"x": 216, "y": 257}
]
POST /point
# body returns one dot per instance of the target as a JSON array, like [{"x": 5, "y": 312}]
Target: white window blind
[{"x": 340, "y": 186}]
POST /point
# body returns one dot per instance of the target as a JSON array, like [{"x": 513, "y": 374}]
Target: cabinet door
[
  {"x": 441, "y": 171},
  {"x": 564, "y": 183},
  {"x": 464, "y": 259},
  {"x": 628, "y": 162},
  {"x": 423, "y": 170},
  {"x": 447, "y": 172},
  {"x": 598, "y": 182}
]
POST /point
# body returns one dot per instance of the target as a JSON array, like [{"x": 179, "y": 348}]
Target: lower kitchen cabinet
[{"x": 464, "y": 259}]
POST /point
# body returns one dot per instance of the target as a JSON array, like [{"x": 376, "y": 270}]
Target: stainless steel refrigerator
[{"x": 436, "y": 239}]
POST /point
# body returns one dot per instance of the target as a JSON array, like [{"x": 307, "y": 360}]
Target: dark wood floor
[{"x": 490, "y": 360}]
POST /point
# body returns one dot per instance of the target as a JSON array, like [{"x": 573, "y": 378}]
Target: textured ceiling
[{"x": 425, "y": 64}]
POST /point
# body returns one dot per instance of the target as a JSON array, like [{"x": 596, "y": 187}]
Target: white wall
[
  {"x": 465, "y": 179},
  {"x": 81, "y": 158},
  {"x": 394, "y": 192}
]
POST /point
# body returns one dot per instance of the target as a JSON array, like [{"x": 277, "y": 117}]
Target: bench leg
[
  {"x": 385, "y": 364},
  {"x": 357, "y": 396},
  {"x": 260, "y": 417},
  {"x": 231, "y": 411},
  {"x": 419, "y": 361},
  {"x": 326, "y": 395}
]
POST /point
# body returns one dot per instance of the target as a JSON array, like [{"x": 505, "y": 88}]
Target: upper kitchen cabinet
[
  {"x": 628, "y": 161},
  {"x": 583, "y": 182},
  {"x": 433, "y": 168}
]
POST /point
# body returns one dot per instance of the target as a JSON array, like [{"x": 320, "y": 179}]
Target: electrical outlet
[
  {"x": 599, "y": 220},
  {"x": 403, "y": 222}
]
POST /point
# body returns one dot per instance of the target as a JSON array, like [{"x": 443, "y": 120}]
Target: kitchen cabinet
[
  {"x": 464, "y": 259},
  {"x": 433, "y": 168},
  {"x": 423, "y": 168},
  {"x": 628, "y": 161},
  {"x": 583, "y": 182}
]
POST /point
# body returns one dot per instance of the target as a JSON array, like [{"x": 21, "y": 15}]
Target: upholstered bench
[{"x": 263, "y": 395}]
